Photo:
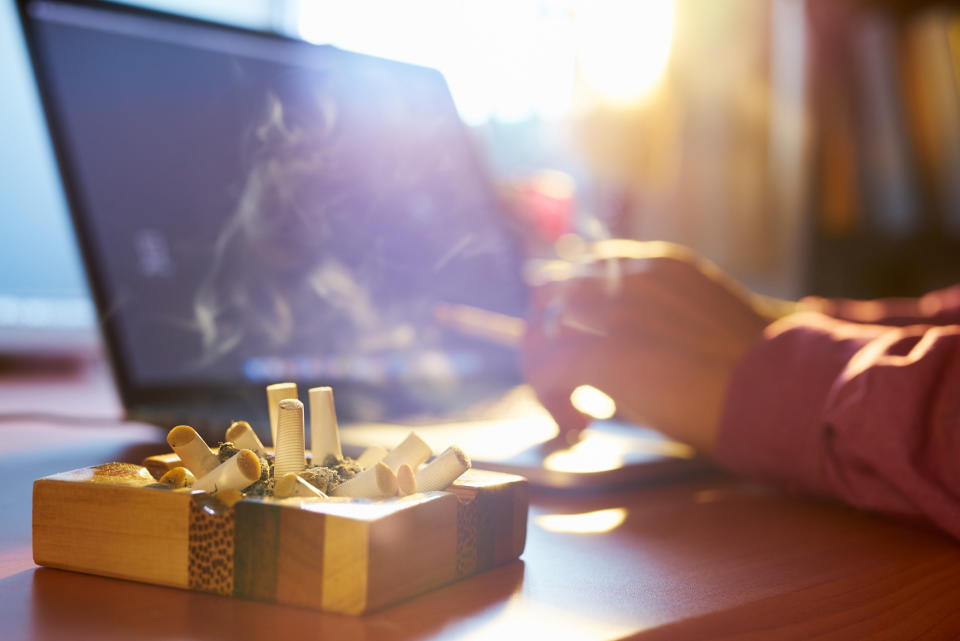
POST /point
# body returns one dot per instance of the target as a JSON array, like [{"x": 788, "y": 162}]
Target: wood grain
[
  {"x": 345, "y": 550},
  {"x": 300, "y": 558},
  {"x": 414, "y": 549},
  {"x": 352, "y": 557},
  {"x": 119, "y": 531},
  {"x": 255, "y": 550}
]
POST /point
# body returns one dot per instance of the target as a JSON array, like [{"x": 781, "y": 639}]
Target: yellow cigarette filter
[
  {"x": 229, "y": 496},
  {"x": 276, "y": 393},
  {"x": 439, "y": 473},
  {"x": 292, "y": 485},
  {"x": 178, "y": 477},
  {"x": 193, "y": 452},
  {"x": 288, "y": 454},
  {"x": 237, "y": 472},
  {"x": 244, "y": 438}
]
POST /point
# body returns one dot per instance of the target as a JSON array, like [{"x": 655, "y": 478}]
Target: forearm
[
  {"x": 865, "y": 413},
  {"x": 940, "y": 307}
]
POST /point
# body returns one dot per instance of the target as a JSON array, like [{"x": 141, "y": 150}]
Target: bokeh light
[
  {"x": 586, "y": 523},
  {"x": 593, "y": 402},
  {"x": 624, "y": 46}
]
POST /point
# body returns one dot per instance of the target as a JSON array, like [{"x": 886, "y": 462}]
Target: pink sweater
[{"x": 860, "y": 401}]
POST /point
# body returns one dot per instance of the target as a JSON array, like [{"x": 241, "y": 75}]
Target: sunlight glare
[
  {"x": 593, "y": 402},
  {"x": 586, "y": 523},
  {"x": 624, "y": 45},
  {"x": 595, "y": 453}
]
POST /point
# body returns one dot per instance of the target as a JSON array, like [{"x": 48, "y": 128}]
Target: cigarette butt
[
  {"x": 276, "y": 393},
  {"x": 378, "y": 481},
  {"x": 439, "y": 473},
  {"x": 193, "y": 452},
  {"x": 481, "y": 323},
  {"x": 324, "y": 432},
  {"x": 289, "y": 454},
  {"x": 413, "y": 451},
  {"x": 292, "y": 485},
  {"x": 406, "y": 480},
  {"x": 229, "y": 496},
  {"x": 243, "y": 437},
  {"x": 371, "y": 456},
  {"x": 178, "y": 477},
  {"x": 237, "y": 472}
]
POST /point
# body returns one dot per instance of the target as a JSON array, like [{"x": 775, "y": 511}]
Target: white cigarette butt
[
  {"x": 237, "y": 472},
  {"x": 378, "y": 481},
  {"x": 293, "y": 485},
  {"x": 276, "y": 393},
  {"x": 324, "y": 432},
  {"x": 439, "y": 473},
  {"x": 371, "y": 456},
  {"x": 244, "y": 438},
  {"x": 406, "y": 480},
  {"x": 193, "y": 452},
  {"x": 413, "y": 451},
  {"x": 288, "y": 454}
]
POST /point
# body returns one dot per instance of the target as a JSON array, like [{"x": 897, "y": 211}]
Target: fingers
[
  {"x": 643, "y": 310},
  {"x": 679, "y": 292},
  {"x": 548, "y": 368},
  {"x": 569, "y": 420}
]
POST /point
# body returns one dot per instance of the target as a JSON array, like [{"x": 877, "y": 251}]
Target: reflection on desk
[{"x": 708, "y": 557}]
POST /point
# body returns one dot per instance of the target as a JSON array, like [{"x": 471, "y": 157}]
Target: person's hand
[{"x": 652, "y": 325}]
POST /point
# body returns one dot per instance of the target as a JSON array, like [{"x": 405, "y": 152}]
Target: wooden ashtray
[{"x": 338, "y": 557}]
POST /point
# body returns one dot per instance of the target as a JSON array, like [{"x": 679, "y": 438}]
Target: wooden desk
[{"x": 706, "y": 558}]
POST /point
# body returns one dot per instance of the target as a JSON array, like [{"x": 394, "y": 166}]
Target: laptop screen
[{"x": 255, "y": 209}]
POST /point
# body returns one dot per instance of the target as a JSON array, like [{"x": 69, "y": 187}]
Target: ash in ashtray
[{"x": 242, "y": 466}]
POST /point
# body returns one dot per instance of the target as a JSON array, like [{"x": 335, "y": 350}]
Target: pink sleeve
[
  {"x": 941, "y": 307},
  {"x": 866, "y": 413}
]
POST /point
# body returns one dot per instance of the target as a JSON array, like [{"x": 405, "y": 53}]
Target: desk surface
[{"x": 709, "y": 557}]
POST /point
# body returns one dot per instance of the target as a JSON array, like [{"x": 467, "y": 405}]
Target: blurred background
[{"x": 807, "y": 147}]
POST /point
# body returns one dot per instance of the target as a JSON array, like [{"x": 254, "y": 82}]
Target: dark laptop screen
[{"x": 257, "y": 209}]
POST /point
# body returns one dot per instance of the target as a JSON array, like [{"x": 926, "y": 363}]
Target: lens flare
[{"x": 592, "y": 402}]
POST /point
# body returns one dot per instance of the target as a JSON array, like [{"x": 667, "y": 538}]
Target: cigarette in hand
[
  {"x": 481, "y": 323},
  {"x": 192, "y": 450},
  {"x": 237, "y": 472}
]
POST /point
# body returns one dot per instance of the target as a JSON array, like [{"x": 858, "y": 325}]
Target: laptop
[{"x": 254, "y": 209}]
